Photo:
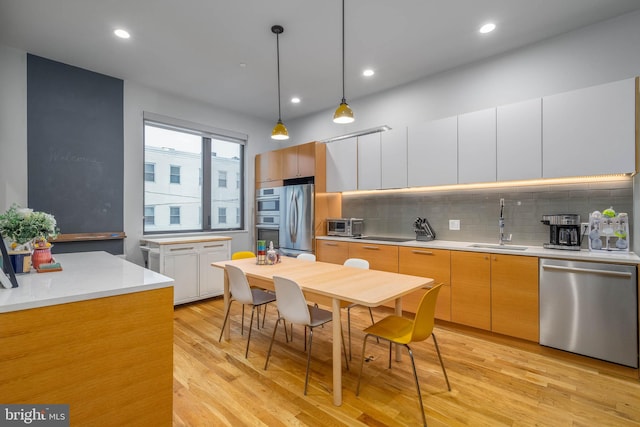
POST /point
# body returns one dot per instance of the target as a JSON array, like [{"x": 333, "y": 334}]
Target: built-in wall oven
[{"x": 269, "y": 202}]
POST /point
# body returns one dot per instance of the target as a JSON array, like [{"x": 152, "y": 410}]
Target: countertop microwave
[{"x": 345, "y": 227}]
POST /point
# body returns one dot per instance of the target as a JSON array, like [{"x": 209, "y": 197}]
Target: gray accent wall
[{"x": 392, "y": 214}]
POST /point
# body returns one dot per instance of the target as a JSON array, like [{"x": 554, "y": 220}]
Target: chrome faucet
[{"x": 501, "y": 238}]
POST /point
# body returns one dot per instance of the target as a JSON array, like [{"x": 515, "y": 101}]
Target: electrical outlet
[
  {"x": 584, "y": 228},
  {"x": 454, "y": 224}
]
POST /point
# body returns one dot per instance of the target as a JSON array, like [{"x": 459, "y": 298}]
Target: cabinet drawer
[
  {"x": 433, "y": 263},
  {"x": 380, "y": 257},
  {"x": 332, "y": 251}
]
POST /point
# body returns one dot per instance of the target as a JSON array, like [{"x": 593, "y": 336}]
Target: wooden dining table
[{"x": 333, "y": 285}]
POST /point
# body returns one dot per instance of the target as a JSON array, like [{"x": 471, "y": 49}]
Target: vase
[{"x": 41, "y": 256}]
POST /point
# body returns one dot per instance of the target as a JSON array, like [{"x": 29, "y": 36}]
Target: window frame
[{"x": 209, "y": 135}]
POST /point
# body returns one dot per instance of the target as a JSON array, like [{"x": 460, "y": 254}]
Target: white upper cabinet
[
  {"x": 519, "y": 141},
  {"x": 432, "y": 153},
  {"x": 394, "y": 158},
  {"x": 589, "y": 131},
  {"x": 342, "y": 165},
  {"x": 369, "y": 165},
  {"x": 477, "y": 146}
]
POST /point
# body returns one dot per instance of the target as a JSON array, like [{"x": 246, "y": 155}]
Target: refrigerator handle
[{"x": 293, "y": 218}]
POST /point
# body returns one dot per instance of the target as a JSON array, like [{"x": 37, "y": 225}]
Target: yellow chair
[
  {"x": 243, "y": 254},
  {"x": 400, "y": 330}
]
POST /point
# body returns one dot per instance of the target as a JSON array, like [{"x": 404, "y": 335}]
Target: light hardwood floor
[{"x": 493, "y": 384}]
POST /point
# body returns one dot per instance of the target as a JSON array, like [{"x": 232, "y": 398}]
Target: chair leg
[
  {"x": 415, "y": 376},
  {"x": 264, "y": 315},
  {"x": 390, "y": 345},
  {"x": 253, "y": 309},
  {"x": 364, "y": 346},
  {"x": 441, "y": 364},
  {"x": 273, "y": 337},
  {"x": 242, "y": 324},
  {"x": 306, "y": 378},
  {"x": 224, "y": 322},
  {"x": 373, "y": 322},
  {"x": 349, "y": 328},
  {"x": 344, "y": 349}
]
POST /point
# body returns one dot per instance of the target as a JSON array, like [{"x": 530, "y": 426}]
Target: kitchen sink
[
  {"x": 502, "y": 247},
  {"x": 387, "y": 239}
]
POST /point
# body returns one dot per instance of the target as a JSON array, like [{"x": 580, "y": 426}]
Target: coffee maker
[{"x": 564, "y": 231}]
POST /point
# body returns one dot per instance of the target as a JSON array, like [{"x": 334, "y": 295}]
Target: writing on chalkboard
[{"x": 54, "y": 156}]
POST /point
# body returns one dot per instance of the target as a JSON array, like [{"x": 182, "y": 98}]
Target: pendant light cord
[
  {"x": 343, "y": 98},
  {"x": 278, "y": 55}
]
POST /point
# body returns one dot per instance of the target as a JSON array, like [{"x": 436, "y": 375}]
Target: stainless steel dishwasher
[{"x": 590, "y": 308}]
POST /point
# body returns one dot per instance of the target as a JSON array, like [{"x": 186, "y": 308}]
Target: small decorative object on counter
[
  {"x": 608, "y": 231},
  {"x": 272, "y": 256},
  {"x": 261, "y": 254}
]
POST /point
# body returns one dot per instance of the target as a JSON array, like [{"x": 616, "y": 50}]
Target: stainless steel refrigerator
[{"x": 296, "y": 226}]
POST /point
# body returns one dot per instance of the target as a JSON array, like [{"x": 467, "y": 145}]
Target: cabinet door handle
[
  {"x": 181, "y": 249},
  {"x": 375, "y": 248},
  {"x": 330, "y": 244},
  {"x": 422, "y": 252},
  {"x": 215, "y": 246}
]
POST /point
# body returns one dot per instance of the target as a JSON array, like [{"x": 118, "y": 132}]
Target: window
[
  {"x": 174, "y": 215},
  {"x": 149, "y": 172},
  {"x": 222, "y": 179},
  {"x": 149, "y": 215},
  {"x": 174, "y": 174},
  {"x": 200, "y": 159}
]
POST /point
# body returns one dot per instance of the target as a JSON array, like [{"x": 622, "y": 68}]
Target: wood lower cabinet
[
  {"x": 433, "y": 263},
  {"x": 332, "y": 251},
  {"x": 495, "y": 292},
  {"x": 514, "y": 296},
  {"x": 471, "y": 289},
  {"x": 380, "y": 257}
]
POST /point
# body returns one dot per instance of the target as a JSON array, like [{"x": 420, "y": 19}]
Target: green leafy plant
[{"x": 22, "y": 225}]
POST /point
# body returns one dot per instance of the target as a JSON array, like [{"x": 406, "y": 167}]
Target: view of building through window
[{"x": 174, "y": 196}]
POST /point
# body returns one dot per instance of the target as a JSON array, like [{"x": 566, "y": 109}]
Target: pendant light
[
  {"x": 279, "y": 130},
  {"x": 343, "y": 113}
]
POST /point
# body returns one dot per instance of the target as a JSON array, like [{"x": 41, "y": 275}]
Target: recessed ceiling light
[
  {"x": 487, "y": 28},
  {"x": 368, "y": 72},
  {"x": 123, "y": 34},
  {"x": 295, "y": 100}
]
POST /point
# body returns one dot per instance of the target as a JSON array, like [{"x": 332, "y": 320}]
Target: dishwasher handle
[{"x": 588, "y": 270}]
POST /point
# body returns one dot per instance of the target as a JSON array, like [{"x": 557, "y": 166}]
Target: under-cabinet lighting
[
  {"x": 382, "y": 128},
  {"x": 485, "y": 185}
]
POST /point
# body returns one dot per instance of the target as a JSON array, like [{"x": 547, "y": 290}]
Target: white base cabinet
[{"x": 188, "y": 261}]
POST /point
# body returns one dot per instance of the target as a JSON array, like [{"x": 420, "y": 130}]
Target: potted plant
[{"x": 26, "y": 230}]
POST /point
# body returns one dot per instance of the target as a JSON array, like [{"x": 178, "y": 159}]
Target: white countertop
[
  {"x": 537, "y": 251},
  {"x": 182, "y": 239},
  {"x": 84, "y": 276}
]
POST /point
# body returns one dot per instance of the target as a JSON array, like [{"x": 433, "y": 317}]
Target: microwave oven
[{"x": 345, "y": 227}]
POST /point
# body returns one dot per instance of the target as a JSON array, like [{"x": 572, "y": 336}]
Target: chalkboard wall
[{"x": 75, "y": 149}]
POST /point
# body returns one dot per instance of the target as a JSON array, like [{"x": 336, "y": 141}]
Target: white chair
[
  {"x": 357, "y": 263},
  {"x": 307, "y": 257},
  {"x": 292, "y": 307},
  {"x": 244, "y": 294}
]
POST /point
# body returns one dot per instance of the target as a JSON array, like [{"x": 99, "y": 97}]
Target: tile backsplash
[{"x": 393, "y": 214}]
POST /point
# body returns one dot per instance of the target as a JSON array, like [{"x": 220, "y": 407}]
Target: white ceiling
[{"x": 195, "y": 47}]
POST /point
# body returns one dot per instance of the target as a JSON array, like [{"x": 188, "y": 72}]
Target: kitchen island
[{"x": 97, "y": 336}]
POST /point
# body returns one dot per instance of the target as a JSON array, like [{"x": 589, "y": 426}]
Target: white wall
[
  {"x": 13, "y": 128},
  {"x": 597, "y": 54}
]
